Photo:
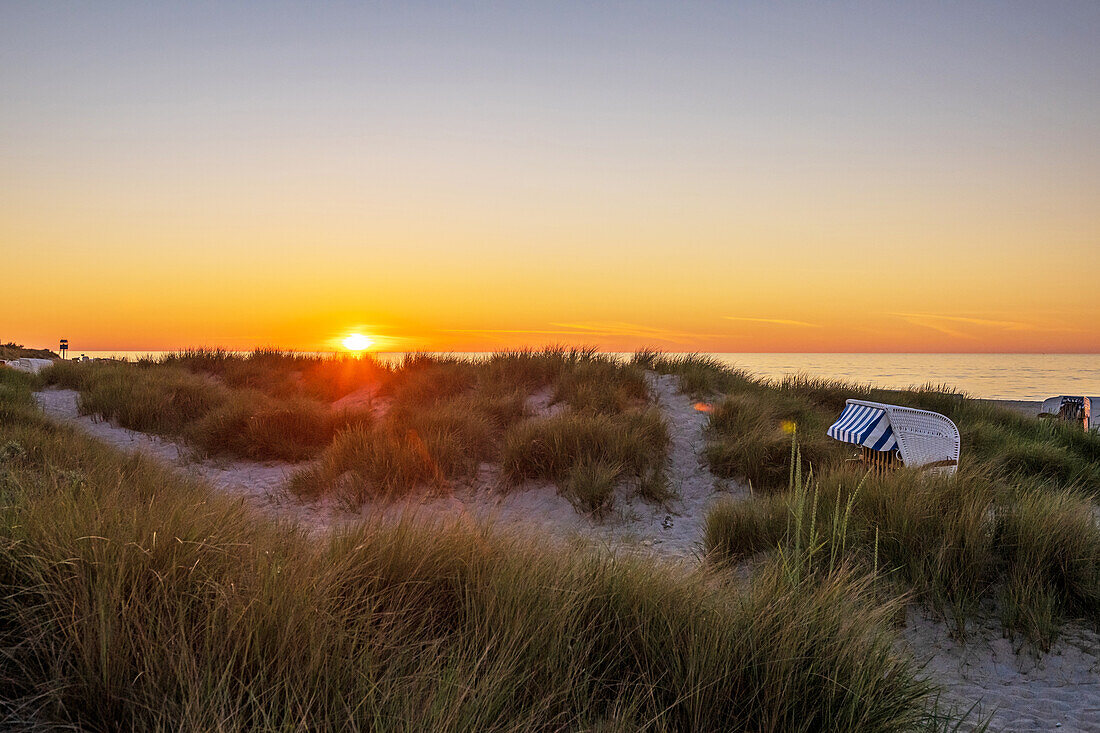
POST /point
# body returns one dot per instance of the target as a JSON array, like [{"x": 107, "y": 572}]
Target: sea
[{"x": 1025, "y": 377}]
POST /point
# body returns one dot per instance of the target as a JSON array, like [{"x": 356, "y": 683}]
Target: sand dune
[{"x": 1015, "y": 689}]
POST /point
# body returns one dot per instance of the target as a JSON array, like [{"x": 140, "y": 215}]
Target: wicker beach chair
[
  {"x": 1076, "y": 410},
  {"x": 891, "y": 435},
  {"x": 25, "y": 364}
]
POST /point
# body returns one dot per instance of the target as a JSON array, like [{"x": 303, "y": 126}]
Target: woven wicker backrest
[{"x": 925, "y": 439}]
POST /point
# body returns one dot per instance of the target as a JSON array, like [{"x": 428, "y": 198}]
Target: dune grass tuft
[
  {"x": 591, "y": 484},
  {"x": 401, "y": 453},
  {"x": 749, "y": 438},
  {"x": 701, "y": 376},
  {"x": 1048, "y": 546},
  {"x": 251, "y": 425},
  {"x": 633, "y": 444}
]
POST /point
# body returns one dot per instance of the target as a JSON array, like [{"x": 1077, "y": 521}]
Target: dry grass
[
  {"x": 447, "y": 416},
  {"x": 211, "y": 417},
  {"x": 403, "y": 453},
  {"x": 443, "y": 416},
  {"x": 283, "y": 374},
  {"x": 12, "y": 350},
  {"x": 137, "y": 600},
  {"x": 634, "y": 445},
  {"x": 958, "y": 542}
]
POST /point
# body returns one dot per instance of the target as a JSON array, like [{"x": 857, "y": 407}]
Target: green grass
[
  {"x": 447, "y": 416},
  {"x": 136, "y": 599},
  {"x": 749, "y": 438},
  {"x": 745, "y": 436},
  {"x": 215, "y": 419},
  {"x": 1015, "y": 527},
  {"x": 737, "y": 529},
  {"x": 1048, "y": 546},
  {"x": 283, "y": 374},
  {"x": 955, "y": 541},
  {"x": 633, "y": 446},
  {"x": 444, "y": 416}
]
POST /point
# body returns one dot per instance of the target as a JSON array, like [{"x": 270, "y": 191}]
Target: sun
[{"x": 357, "y": 342}]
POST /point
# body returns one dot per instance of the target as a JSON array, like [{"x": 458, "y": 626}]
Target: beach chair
[
  {"x": 25, "y": 364},
  {"x": 890, "y": 436},
  {"x": 1076, "y": 410}
]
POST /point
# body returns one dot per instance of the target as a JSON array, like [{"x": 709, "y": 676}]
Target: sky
[{"x": 804, "y": 177}]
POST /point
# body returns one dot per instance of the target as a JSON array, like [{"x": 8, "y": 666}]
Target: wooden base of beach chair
[{"x": 879, "y": 462}]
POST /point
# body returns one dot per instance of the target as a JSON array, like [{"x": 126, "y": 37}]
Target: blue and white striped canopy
[{"x": 866, "y": 426}]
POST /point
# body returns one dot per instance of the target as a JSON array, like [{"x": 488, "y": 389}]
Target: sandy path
[
  {"x": 697, "y": 487},
  {"x": 259, "y": 483}
]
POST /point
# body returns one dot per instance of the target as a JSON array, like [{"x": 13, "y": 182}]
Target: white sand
[
  {"x": 1018, "y": 691},
  {"x": 1012, "y": 687}
]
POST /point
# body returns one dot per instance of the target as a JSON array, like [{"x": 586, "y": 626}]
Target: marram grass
[
  {"x": 957, "y": 542},
  {"x": 135, "y": 599}
]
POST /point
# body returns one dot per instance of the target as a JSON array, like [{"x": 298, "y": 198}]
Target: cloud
[
  {"x": 1005, "y": 325},
  {"x": 490, "y": 331},
  {"x": 943, "y": 324},
  {"x": 778, "y": 321},
  {"x": 621, "y": 328},
  {"x": 604, "y": 329}
]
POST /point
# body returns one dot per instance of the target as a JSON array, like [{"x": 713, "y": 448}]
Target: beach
[{"x": 1012, "y": 683}]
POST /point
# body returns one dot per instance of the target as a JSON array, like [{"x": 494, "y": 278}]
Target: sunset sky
[{"x": 690, "y": 176}]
